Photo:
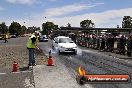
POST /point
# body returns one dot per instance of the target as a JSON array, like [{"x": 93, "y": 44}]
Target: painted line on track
[
  {"x": 2, "y": 73},
  {"x": 22, "y": 72},
  {"x": 16, "y": 72}
]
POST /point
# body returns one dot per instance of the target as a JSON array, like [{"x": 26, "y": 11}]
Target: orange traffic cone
[
  {"x": 50, "y": 61},
  {"x": 15, "y": 67}
]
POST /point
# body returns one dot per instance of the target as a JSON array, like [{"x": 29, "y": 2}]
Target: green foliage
[
  {"x": 127, "y": 22},
  {"x": 37, "y": 29},
  {"x": 23, "y": 30},
  {"x": 87, "y": 24},
  {"x": 3, "y": 28},
  {"x": 15, "y": 28},
  {"x": 48, "y": 27}
]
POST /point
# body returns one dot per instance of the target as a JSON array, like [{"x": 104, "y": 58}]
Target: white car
[
  {"x": 43, "y": 38},
  {"x": 64, "y": 44}
]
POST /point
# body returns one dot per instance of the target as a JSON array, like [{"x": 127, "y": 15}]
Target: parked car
[
  {"x": 13, "y": 36},
  {"x": 64, "y": 44},
  {"x": 1, "y": 38},
  {"x": 43, "y": 38}
]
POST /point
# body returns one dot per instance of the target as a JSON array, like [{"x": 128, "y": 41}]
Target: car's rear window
[{"x": 65, "y": 40}]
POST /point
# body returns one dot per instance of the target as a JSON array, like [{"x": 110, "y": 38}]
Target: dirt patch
[{"x": 19, "y": 53}]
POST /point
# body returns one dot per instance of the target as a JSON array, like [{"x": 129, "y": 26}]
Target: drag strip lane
[
  {"x": 58, "y": 76},
  {"x": 117, "y": 66},
  {"x": 94, "y": 63},
  {"x": 92, "y": 67}
]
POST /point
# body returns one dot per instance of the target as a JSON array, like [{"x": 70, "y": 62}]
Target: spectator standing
[
  {"x": 122, "y": 45},
  {"x": 129, "y": 46},
  {"x": 5, "y": 38},
  {"x": 102, "y": 43}
]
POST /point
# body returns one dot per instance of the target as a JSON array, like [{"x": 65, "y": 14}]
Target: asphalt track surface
[{"x": 94, "y": 63}]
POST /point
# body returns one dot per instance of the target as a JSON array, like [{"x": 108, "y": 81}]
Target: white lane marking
[
  {"x": 16, "y": 72},
  {"x": 21, "y": 72},
  {"x": 25, "y": 71},
  {"x": 2, "y": 73}
]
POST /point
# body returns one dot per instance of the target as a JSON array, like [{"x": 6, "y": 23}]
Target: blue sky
[{"x": 104, "y": 13}]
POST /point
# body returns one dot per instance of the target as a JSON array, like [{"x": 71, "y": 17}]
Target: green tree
[
  {"x": 87, "y": 24},
  {"x": 48, "y": 27},
  {"x": 15, "y": 28},
  {"x": 31, "y": 29},
  {"x": 23, "y": 30},
  {"x": 56, "y": 27},
  {"x": 37, "y": 29},
  {"x": 3, "y": 28},
  {"x": 127, "y": 22}
]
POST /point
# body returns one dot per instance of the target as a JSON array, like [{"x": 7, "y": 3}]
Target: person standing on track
[{"x": 31, "y": 45}]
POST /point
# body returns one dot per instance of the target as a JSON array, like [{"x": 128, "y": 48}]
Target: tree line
[
  {"x": 126, "y": 23},
  {"x": 16, "y": 28},
  {"x": 47, "y": 27}
]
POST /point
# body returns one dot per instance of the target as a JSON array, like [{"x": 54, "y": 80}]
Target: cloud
[
  {"x": 29, "y": 2},
  {"x": 109, "y": 18},
  {"x": 1, "y": 8},
  {"x": 22, "y": 1},
  {"x": 102, "y": 19},
  {"x": 59, "y": 11},
  {"x": 52, "y": 0}
]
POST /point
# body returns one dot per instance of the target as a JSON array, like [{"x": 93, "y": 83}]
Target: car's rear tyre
[
  {"x": 53, "y": 47},
  {"x": 59, "y": 52},
  {"x": 75, "y": 52}
]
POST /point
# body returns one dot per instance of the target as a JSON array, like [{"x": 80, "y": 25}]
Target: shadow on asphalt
[
  {"x": 24, "y": 68},
  {"x": 67, "y": 53},
  {"x": 127, "y": 58}
]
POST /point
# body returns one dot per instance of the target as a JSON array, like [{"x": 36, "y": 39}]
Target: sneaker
[
  {"x": 34, "y": 64},
  {"x": 29, "y": 65}
]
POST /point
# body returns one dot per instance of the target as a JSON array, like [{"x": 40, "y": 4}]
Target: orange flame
[{"x": 81, "y": 71}]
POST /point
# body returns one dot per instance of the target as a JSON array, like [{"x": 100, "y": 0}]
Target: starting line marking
[
  {"x": 2, "y": 73},
  {"x": 16, "y": 72},
  {"x": 22, "y": 72}
]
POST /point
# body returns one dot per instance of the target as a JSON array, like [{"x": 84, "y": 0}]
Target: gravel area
[
  {"x": 15, "y": 50},
  {"x": 10, "y": 53}
]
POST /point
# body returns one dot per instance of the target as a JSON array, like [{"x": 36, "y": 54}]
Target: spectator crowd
[{"x": 106, "y": 42}]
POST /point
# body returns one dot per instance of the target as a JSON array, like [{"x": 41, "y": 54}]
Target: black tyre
[
  {"x": 82, "y": 80},
  {"x": 75, "y": 52},
  {"x": 52, "y": 47},
  {"x": 59, "y": 52}
]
